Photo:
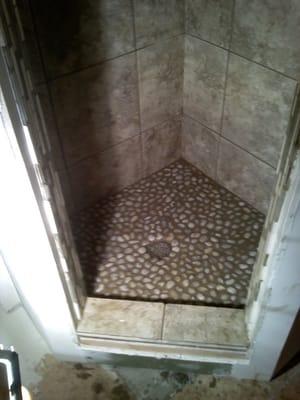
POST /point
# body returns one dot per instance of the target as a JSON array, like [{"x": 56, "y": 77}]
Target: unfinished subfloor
[
  {"x": 67, "y": 381},
  {"x": 176, "y": 236}
]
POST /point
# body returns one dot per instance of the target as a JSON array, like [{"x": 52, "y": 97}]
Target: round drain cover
[{"x": 159, "y": 249}]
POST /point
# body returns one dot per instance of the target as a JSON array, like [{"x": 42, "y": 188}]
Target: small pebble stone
[
  {"x": 149, "y": 286},
  {"x": 231, "y": 290},
  {"x": 170, "y": 284}
]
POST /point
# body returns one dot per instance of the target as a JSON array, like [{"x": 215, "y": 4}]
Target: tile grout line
[
  {"x": 182, "y": 88},
  {"x": 98, "y": 153},
  {"x": 184, "y": 18},
  {"x": 163, "y": 322},
  {"x": 206, "y": 41},
  {"x": 228, "y": 140},
  {"x": 141, "y": 144},
  {"x": 225, "y": 90},
  {"x": 246, "y": 151},
  {"x": 163, "y": 39},
  {"x": 263, "y": 66},
  {"x": 101, "y": 62},
  {"x": 73, "y": 165},
  {"x": 242, "y": 56},
  {"x": 89, "y": 66},
  {"x": 216, "y": 133}
]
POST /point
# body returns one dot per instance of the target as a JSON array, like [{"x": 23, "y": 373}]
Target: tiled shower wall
[
  {"x": 242, "y": 61},
  {"x": 115, "y": 76}
]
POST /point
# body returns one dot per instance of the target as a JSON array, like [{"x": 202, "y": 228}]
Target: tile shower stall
[{"x": 166, "y": 120}]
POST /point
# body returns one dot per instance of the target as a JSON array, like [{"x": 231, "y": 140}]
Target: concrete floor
[{"x": 67, "y": 381}]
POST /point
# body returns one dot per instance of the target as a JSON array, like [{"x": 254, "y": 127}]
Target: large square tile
[
  {"x": 161, "y": 145},
  {"x": 269, "y": 32},
  {"x": 97, "y": 108},
  {"x": 245, "y": 175},
  {"x": 210, "y": 20},
  {"x": 106, "y": 173},
  {"x": 122, "y": 318},
  {"x": 208, "y": 325},
  {"x": 257, "y": 108},
  {"x": 204, "y": 81},
  {"x": 200, "y": 146},
  {"x": 160, "y": 81},
  {"x": 158, "y": 19},
  {"x": 84, "y": 33},
  {"x": 182, "y": 323}
]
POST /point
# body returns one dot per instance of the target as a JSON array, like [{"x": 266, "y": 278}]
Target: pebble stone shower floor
[{"x": 176, "y": 236}]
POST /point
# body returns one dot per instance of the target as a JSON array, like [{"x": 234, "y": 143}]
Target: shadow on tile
[{"x": 76, "y": 34}]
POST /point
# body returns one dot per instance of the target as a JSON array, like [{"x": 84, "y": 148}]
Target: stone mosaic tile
[
  {"x": 160, "y": 68},
  {"x": 200, "y": 146},
  {"x": 156, "y": 20},
  {"x": 106, "y": 173},
  {"x": 213, "y": 237},
  {"x": 245, "y": 175},
  {"x": 210, "y": 20},
  {"x": 161, "y": 145},
  {"x": 97, "y": 108},
  {"x": 268, "y": 32},
  {"x": 257, "y": 108},
  {"x": 204, "y": 82},
  {"x": 83, "y": 33}
]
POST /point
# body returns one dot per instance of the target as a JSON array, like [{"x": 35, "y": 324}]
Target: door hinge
[
  {"x": 257, "y": 289},
  {"x": 287, "y": 178}
]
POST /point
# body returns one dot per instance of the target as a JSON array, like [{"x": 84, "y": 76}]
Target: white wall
[
  {"x": 279, "y": 298},
  {"x": 17, "y": 329},
  {"x": 25, "y": 248}
]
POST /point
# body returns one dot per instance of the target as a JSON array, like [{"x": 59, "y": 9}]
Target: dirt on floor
[{"x": 69, "y": 381}]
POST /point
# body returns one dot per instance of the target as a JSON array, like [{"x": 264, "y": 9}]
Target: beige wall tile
[
  {"x": 160, "y": 81},
  {"x": 200, "y": 146},
  {"x": 106, "y": 173},
  {"x": 97, "y": 108},
  {"x": 257, "y": 108},
  {"x": 161, "y": 145},
  {"x": 204, "y": 82},
  {"x": 245, "y": 175}
]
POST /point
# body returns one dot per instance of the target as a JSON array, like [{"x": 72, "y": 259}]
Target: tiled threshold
[{"x": 175, "y": 331}]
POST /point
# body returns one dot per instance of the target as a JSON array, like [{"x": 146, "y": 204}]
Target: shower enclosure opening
[{"x": 164, "y": 132}]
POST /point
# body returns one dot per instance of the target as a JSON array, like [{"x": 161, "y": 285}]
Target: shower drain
[{"x": 159, "y": 249}]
